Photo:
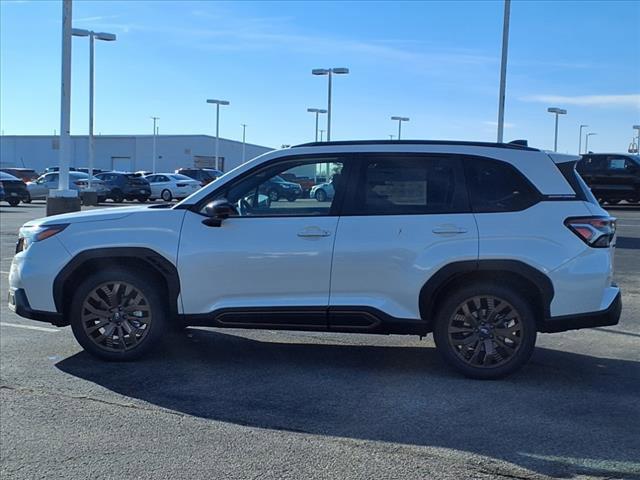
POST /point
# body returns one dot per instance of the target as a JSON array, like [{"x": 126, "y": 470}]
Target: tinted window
[
  {"x": 589, "y": 164},
  {"x": 405, "y": 185},
  {"x": 496, "y": 186},
  {"x": 617, "y": 163}
]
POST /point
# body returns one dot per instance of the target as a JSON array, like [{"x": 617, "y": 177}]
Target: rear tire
[
  {"x": 117, "y": 196},
  {"x": 142, "y": 314},
  {"x": 13, "y": 201},
  {"x": 485, "y": 331}
]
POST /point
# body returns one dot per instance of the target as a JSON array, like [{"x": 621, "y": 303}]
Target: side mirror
[{"x": 217, "y": 211}]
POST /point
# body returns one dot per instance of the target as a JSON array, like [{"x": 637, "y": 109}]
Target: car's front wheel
[
  {"x": 321, "y": 195},
  {"x": 27, "y": 198},
  {"x": 485, "y": 331},
  {"x": 13, "y": 201},
  {"x": 118, "y": 315},
  {"x": 166, "y": 195}
]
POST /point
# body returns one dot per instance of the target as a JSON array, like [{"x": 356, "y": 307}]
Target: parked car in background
[
  {"x": 305, "y": 182},
  {"x": 55, "y": 169},
  {"x": 322, "y": 192},
  {"x": 203, "y": 175},
  {"x": 168, "y": 186},
  {"x": 612, "y": 177},
  {"x": 15, "y": 190},
  {"x": 1, "y": 192},
  {"x": 39, "y": 190},
  {"x": 277, "y": 188},
  {"x": 126, "y": 186},
  {"x": 143, "y": 173},
  {"x": 24, "y": 174},
  {"x": 86, "y": 170}
]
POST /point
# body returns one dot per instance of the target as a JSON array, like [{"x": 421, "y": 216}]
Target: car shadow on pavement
[{"x": 563, "y": 415}]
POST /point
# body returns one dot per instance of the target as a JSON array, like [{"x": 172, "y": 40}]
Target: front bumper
[
  {"x": 604, "y": 318},
  {"x": 19, "y": 304}
]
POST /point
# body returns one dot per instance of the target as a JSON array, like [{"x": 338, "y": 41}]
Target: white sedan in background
[{"x": 168, "y": 186}]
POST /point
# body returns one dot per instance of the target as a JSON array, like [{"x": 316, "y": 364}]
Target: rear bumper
[
  {"x": 18, "y": 303},
  {"x": 609, "y": 316}
]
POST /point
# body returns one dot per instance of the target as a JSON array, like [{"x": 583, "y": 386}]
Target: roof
[{"x": 513, "y": 146}]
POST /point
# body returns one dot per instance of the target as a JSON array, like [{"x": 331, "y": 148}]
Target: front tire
[
  {"x": 27, "y": 198},
  {"x": 485, "y": 331},
  {"x": 117, "y": 315},
  {"x": 166, "y": 195},
  {"x": 321, "y": 195},
  {"x": 13, "y": 201},
  {"x": 117, "y": 197}
]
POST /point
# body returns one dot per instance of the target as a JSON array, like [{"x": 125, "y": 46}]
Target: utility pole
[
  {"x": 155, "y": 135},
  {"x": 503, "y": 69}
]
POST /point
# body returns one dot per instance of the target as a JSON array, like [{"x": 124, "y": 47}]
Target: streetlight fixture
[
  {"x": 503, "y": 69},
  {"x": 317, "y": 111},
  {"x": 556, "y": 111},
  {"x": 106, "y": 37},
  {"x": 155, "y": 135},
  {"x": 244, "y": 129},
  {"x": 217, "y": 103},
  {"x": 580, "y": 141},
  {"x": 400, "y": 120},
  {"x": 586, "y": 145},
  {"x": 329, "y": 72}
]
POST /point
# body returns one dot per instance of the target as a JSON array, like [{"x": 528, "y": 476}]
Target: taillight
[{"x": 597, "y": 232}]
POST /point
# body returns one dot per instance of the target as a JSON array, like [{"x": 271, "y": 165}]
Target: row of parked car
[{"x": 24, "y": 185}]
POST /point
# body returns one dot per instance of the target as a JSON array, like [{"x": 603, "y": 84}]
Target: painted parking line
[
  {"x": 29, "y": 327},
  {"x": 5, "y": 273}
]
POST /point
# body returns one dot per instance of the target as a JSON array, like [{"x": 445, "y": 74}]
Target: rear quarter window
[{"x": 496, "y": 186}]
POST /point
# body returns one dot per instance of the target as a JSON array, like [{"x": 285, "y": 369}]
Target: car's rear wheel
[
  {"x": 321, "y": 195},
  {"x": 117, "y": 196},
  {"x": 166, "y": 195},
  {"x": 143, "y": 199},
  {"x": 13, "y": 201},
  {"x": 485, "y": 331},
  {"x": 118, "y": 315}
]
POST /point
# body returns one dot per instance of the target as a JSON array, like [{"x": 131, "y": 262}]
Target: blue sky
[{"x": 435, "y": 62}]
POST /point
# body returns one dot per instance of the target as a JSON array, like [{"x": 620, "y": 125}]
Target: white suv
[{"x": 482, "y": 244}]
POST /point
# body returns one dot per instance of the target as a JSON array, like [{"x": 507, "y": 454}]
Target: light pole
[
  {"x": 107, "y": 37},
  {"x": 329, "y": 72},
  {"x": 155, "y": 135},
  {"x": 637, "y": 129},
  {"x": 217, "y": 104},
  {"x": 244, "y": 130},
  {"x": 580, "y": 141},
  {"x": 317, "y": 111},
  {"x": 503, "y": 69},
  {"x": 586, "y": 141},
  {"x": 556, "y": 111},
  {"x": 321, "y": 133},
  {"x": 400, "y": 120}
]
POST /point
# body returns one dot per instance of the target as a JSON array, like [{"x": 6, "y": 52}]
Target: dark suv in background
[
  {"x": 612, "y": 177},
  {"x": 203, "y": 175},
  {"x": 126, "y": 186}
]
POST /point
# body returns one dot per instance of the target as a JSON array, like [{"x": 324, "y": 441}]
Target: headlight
[{"x": 37, "y": 233}]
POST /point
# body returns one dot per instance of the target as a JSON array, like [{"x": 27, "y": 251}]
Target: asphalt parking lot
[{"x": 259, "y": 404}]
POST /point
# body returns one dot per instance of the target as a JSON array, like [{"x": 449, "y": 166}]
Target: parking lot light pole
[
  {"x": 155, "y": 135},
  {"x": 64, "y": 199},
  {"x": 400, "y": 120},
  {"x": 586, "y": 140},
  {"x": 244, "y": 143},
  {"x": 503, "y": 69},
  {"x": 217, "y": 103},
  {"x": 580, "y": 140},
  {"x": 317, "y": 111},
  {"x": 329, "y": 72},
  {"x": 107, "y": 37},
  {"x": 557, "y": 112}
]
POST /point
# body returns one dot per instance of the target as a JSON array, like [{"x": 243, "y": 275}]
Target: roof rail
[{"x": 516, "y": 145}]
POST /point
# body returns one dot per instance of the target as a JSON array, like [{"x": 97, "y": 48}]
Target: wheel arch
[
  {"x": 134, "y": 258},
  {"x": 535, "y": 285}
]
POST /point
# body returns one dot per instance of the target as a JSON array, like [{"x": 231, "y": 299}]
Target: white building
[{"x": 125, "y": 152}]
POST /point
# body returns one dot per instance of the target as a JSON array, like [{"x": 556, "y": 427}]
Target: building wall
[{"x": 173, "y": 151}]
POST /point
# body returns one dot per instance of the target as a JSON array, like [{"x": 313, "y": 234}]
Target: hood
[{"x": 114, "y": 213}]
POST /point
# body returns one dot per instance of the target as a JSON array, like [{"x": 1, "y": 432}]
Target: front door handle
[
  {"x": 313, "y": 232},
  {"x": 448, "y": 230}
]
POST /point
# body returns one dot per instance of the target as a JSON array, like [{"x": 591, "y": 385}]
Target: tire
[
  {"x": 143, "y": 199},
  {"x": 13, "y": 201},
  {"x": 102, "y": 199},
  {"x": 117, "y": 196},
  {"x": 100, "y": 342},
  {"x": 274, "y": 195},
  {"x": 27, "y": 198},
  {"x": 613, "y": 202},
  {"x": 292, "y": 199},
  {"x": 321, "y": 195},
  {"x": 509, "y": 353},
  {"x": 166, "y": 195}
]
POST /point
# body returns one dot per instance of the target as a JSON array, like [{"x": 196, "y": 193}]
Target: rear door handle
[
  {"x": 313, "y": 232},
  {"x": 448, "y": 230}
]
